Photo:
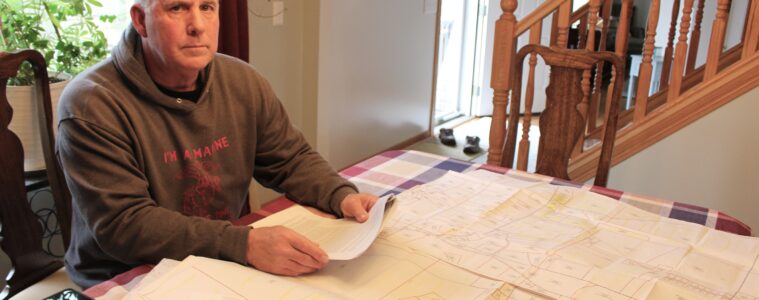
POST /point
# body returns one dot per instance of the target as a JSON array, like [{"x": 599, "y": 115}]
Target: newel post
[{"x": 504, "y": 53}]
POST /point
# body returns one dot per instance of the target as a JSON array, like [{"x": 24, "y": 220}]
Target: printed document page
[
  {"x": 205, "y": 278},
  {"x": 341, "y": 239}
]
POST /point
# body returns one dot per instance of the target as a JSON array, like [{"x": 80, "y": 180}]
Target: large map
[
  {"x": 565, "y": 242},
  {"x": 483, "y": 235}
]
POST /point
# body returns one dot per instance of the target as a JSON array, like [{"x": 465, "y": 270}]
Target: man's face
[{"x": 182, "y": 34}]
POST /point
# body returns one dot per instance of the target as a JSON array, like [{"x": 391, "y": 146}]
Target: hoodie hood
[{"x": 130, "y": 63}]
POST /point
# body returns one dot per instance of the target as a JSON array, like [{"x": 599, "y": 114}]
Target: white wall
[
  {"x": 713, "y": 163},
  {"x": 375, "y": 76},
  {"x": 354, "y": 75},
  {"x": 287, "y": 56},
  {"x": 277, "y": 52}
]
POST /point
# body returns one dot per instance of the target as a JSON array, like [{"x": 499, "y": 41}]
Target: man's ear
[{"x": 137, "y": 13}]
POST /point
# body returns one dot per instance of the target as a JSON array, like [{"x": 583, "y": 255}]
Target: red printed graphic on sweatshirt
[
  {"x": 196, "y": 153},
  {"x": 200, "y": 198}
]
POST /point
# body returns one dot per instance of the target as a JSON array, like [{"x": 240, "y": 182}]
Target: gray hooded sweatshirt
[{"x": 155, "y": 177}]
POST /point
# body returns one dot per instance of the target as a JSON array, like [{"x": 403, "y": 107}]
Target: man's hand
[
  {"x": 279, "y": 250},
  {"x": 357, "y": 206}
]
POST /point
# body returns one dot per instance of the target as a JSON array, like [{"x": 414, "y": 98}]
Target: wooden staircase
[{"x": 686, "y": 92}]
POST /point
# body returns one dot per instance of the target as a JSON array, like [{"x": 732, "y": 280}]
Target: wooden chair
[
  {"x": 563, "y": 122},
  {"x": 21, "y": 230}
]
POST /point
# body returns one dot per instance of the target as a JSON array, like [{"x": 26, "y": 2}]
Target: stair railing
[{"x": 678, "y": 73}]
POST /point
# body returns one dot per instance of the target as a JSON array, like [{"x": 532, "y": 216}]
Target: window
[{"x": 120, "y": 9}]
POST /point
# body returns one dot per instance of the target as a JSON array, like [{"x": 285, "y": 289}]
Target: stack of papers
[
  {"x": 484, "y": 235},
  {"x": 341, "y": 239}
]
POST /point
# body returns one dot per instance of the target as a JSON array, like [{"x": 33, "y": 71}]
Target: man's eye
[
  {"x": 176, "y": 8},
  {"x": 207, "y": 7}
]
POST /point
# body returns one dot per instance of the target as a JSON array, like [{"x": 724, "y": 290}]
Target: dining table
[{"x": 395, "y": 171}]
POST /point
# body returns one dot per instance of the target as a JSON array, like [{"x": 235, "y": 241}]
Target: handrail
[
  {"x": 579, "y": 13},
  {"x": 537, "y": 15}
]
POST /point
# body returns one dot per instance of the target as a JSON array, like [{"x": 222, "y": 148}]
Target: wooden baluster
[
  {"x": 504, "y": 52},
  {"x": 563, "y": 24},
  {"x": 582, "y": 107},
  {"x": 524, "y": 143},
  {"x": 644, "y": 77},
  {"x": 596, "y": 96},
  {"x": 681, "y": 50},
  {"x": 625, "y": 15},
  {"x": 717, "y": 40},
  {"x": 554, "y": 28},
  {"x": 695, "y": 37},
  {"x": 667, "y": 63},
  {"x": 582, "y": 32},
  {"x": 605, "y": 17},
  {"x": 751, "y": 37},
  {"x": 593, "y": 11},
  {"x": 591, "y": 43}
]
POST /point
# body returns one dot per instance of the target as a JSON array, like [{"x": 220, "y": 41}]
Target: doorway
[{"x": 460, "y": 58}]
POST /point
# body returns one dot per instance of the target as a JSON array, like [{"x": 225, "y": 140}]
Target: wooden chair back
[
  {"x": 564, "y": 119},
  {"x": 21, "y": 230}
]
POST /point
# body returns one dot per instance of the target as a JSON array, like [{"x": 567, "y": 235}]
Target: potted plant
[{"x": 66, "y": 33}]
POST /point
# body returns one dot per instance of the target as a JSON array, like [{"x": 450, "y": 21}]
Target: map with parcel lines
[
  {"x": 564, "y": 242},
  {"x": 483, "y": 235}
]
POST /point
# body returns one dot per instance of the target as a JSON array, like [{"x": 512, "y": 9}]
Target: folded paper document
[{"x": 341, "y": 239}]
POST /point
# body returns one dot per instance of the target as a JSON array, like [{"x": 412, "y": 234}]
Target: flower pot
[{"x": 25, "y": 124}]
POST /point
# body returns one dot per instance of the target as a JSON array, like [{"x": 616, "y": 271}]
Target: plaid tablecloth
[{"x": 397, "y": 171}]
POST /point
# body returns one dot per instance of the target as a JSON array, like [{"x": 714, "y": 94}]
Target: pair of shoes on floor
[
  {"x": 472, "y": 145},
  {"x": 472, "y": 142},
  {"x": 446, "y": 137}
]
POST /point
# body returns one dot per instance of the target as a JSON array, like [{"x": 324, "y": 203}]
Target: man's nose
[{"x": 196, "y": 24}]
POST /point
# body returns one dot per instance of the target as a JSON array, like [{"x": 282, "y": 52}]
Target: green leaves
[{"x": 65, "y": 31}]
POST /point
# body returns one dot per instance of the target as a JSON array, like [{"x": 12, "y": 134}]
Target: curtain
[{"x": 233, "y": 28}]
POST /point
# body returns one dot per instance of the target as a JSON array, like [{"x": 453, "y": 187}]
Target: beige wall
[
  {"x": 276, "y": 52},
  {"x": 354, "y": 75},
  {"x": 714, "y": 163},
  {"x": 375, "y": 76},
  {"x": 287, "y": 56}
]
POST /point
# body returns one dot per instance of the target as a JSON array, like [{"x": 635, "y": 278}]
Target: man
[{"x": 160, "y": 141}]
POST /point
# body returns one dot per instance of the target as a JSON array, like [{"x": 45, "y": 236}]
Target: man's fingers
[
  {"x": 317, "y": 257},
  {"x": 358, "y": 206},
  {"x": 305, "y": 260},
  {"x": 358, "y": 210},
  {"x": 295, "y": 268},
  {"x": 279, "y": 250}
]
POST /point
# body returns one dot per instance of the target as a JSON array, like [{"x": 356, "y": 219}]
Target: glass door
[{"x": 462, "y": 28}]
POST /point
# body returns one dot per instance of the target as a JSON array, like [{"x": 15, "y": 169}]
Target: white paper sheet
[
  {"x": 204, "y": 278},
  {"x": 341, "y": 239}
]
